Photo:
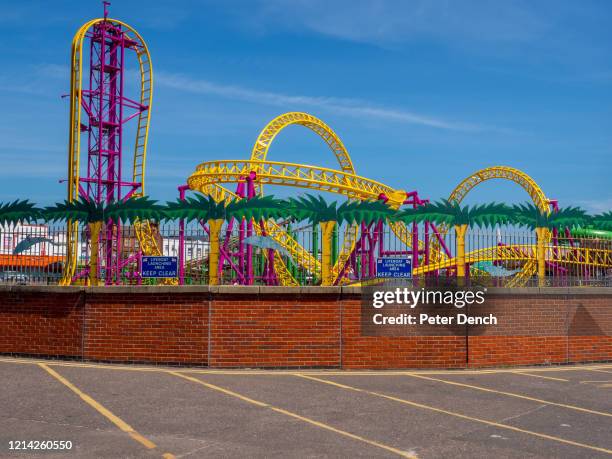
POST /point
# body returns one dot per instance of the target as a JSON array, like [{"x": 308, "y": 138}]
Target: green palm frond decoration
[
  {"x": 197, "y": 208},
  {"x": 89, "y": 211},
  {"x": 533, "y": 217},
  {"x": 258, "y": 207},
  {"x": 603, "y": 221},
  {"x": 489, "y": 215},
  {"x": 135, "y": 208},
  {"x": 83, "y": 210},
  {"x": 19, "y": 210},
  {"x": 312, "y": 208},
  {"x": 453, "y": 213},
  {"x": 206, "y": 208},
  {"x": 363, "y": 211},
  {"x": 422, "y": 213}
]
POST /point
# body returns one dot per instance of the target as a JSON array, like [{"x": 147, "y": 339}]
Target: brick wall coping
[{"x": 272, "y": 290}]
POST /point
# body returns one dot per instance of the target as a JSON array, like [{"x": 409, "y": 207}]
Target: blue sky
[{"x": 422, "y": 92}]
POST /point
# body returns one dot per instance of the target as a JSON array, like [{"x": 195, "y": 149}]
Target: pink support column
[
  {"x": 181, "y": 249},
  {"x": 250, "y": 182}
]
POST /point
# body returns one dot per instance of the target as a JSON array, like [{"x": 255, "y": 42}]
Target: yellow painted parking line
[
  {"x": 293, "y": 415},
  {"x": 120, "y": 423},
  {"x": 539, "y": 376},
  {"x": 512, "y": 394},
  {"x": 271, "y": 372},
  {"x": 602, "y": 384},
  {"x": 599, "y": 370},
  {"x": 458, "y": 415}
]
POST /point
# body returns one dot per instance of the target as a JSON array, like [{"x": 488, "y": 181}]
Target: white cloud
[
  {"x": 33, "y": 82},
  {"x": 57, "y": 71},
  {"x": 384, "y": 22},
  {"x": 595, "y": 206},
  {"x": 26, "y": 169},
  {"x": 351, "y": 107}
]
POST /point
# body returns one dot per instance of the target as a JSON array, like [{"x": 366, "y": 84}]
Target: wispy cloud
[
  {"x": 58, "y": 71},
  {"x": 33, "y": 79},
  {"x": 595, "y": 205},
  {"x": 551, "y": 30},
  {"x": 384, "y": 22},
  {"x": 345, "y": 106}
]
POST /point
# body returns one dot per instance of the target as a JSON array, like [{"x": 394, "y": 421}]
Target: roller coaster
[
  {"x": 211, "y": 176},
  {"x": 99, "y": 112},
  {"x": 99, "y": 109}
]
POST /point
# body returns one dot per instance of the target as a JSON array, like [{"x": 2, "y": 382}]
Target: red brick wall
[
  {"x": 244, "y": 328},
  {"x": 147, "y": 328},
  {"x": 543, "y": 329},
  {"x": 41, "y": 323},
  {"x": 275, "y": 331},
  {"x": 588, "y": 321},
  {"x": 395, "y": 351}
]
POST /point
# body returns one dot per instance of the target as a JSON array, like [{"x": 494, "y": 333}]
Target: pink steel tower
[{"x": 107, "y": 110}]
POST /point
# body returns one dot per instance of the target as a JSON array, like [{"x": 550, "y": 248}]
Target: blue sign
[
  {"x": 394, "y": 267},
  {"x": 159, "y": 267}
]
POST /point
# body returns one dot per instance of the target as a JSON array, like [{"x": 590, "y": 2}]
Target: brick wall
[
  {"x": 145, "y": 327},
  {"x": 543, "y": 329},
  {"x": 42, "y": 322},
  {"x": 395, "y": 351},
  {"x": 280, "y": 331},
  {"x": 297, "y": 328}
]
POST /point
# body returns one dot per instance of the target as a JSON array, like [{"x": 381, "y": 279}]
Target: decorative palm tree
[
  {"x": 460, "y": 217},
  {"x": 16, "y": 211},
  {"x": 205, "y": 208},
  {"x": 95, "y": 214},
  {"x": 318, "y": 211},
  {"x": 603, "y": 221},
  {"x": 543, "y": 221},
  {"x": 364, "y": 212}
]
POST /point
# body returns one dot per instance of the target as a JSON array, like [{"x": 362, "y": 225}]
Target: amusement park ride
[{"x": 100, "y": 110}]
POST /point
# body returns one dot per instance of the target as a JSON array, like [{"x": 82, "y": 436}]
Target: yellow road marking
[
  {"x": 120, "y": 423},
  {"x": 539, "y": 376},
  {"x": 293, "y": 415},
  {"x": 512, "y": 394},
  {"x": 599, "y": 370},
  {"x": 239, "y": 372},
  {"x": 601, "y": 384},
  {"x": 458, "y": 415}
]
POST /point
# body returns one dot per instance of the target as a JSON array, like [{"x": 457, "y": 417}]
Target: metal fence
[{"x": 293, "y": 254}]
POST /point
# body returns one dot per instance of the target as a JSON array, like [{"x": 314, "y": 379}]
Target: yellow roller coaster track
[
  {"x": 297, "y": 252},
  {"x": 265, "y": 138},
  {"x": 260, "y": 153},
  {"x": 143, "y": 229},
  {"x": 584, "y": 256},
  {"x": 209, "y": 177},
  {"x": 288, "y": 174},
  {"x": 344, "y": 181},
  {"x": 460, "y": 192}
]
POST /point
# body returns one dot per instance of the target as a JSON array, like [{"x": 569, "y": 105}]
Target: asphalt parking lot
[{"x": 119, "y": 411}]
